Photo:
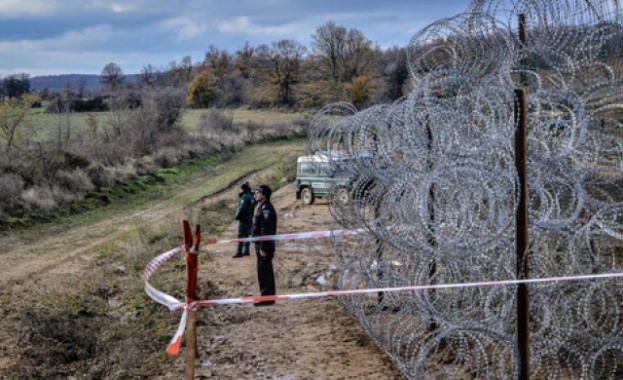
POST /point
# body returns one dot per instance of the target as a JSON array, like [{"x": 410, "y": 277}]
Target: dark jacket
[
  {"x": 246, "y": 205},
  {"x": 265, "y": 223}
]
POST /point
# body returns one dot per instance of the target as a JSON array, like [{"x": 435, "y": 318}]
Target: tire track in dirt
[
  {"x": 230, "y": 186},
  {"x": 32, "y": 261}
]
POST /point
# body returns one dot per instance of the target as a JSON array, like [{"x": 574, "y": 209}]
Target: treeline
[{"x": 340, "y": 65}]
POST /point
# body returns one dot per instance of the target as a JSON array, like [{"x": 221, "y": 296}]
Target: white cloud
[
  {"x": 35, "y": 62},
  {"x": 185, "y": 28},
  {"x": 72, "y": 40},
  {"x": 236, "y": 25},
  {"x": 121, "y": 8},
  {"x": 92, "y": 36},
  {"x": 28, "y": 8},
  {"x": 116, "y": 6},
  {"x": 244, "y": 26}
]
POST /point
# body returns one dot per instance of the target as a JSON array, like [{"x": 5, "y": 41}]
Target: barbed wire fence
[{"x": 436, "y": 186}]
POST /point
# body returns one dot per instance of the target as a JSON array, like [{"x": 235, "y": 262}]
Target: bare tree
[
  {"x": 245, "y": 60},
  {"x": 112, "y": 76},
  {"x": 358, "y": 56},
  {"x": 13, "y": 114},
  {"x": 342, "y": 56},
  {"x": 149, "y": 75},
  {"x": 16, "y": 85},
  {"x": 218, "y": 62},
  {"x": 65, "y": 102},
  {"x": 186, "y": 69},
  {"x": 394, "y": 68},
  {"x": 281, "y": 64},
  {"x": 82, "y": 83},
  {"x": 181, "y": 74},
  {"x": 328, "y": 45},
  {"x": 220, "y": 68}
]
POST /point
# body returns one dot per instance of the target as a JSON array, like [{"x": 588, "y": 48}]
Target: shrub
[
  {"x": 59, "y": 337},
  {"x": 126, "y": 171},
  {"x": 167, "y": 158},
  {"x": 39, "y": 197},
  {"x": 145, "y": 165},
  {"x": 75, "y": 161},
  {"x": 11, "y": 187},
  {"x": 101, "y": 176},
  {"x": 216, "y": 121},
  {"x": 75, "y": 181},
  {"x": 96, "y": 104},
  {"x": 158, "y": 116},
  {"x": 302, "y": 126}
]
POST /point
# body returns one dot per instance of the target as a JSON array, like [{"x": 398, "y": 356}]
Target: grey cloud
[{"x": 154, "y": 29}]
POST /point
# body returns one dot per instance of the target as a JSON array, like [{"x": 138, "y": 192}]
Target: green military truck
[{"x": 323, "y": 174}]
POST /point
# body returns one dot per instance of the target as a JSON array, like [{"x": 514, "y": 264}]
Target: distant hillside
[{"x": 89, "y": 82}]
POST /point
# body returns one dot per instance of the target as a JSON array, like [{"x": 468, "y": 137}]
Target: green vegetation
[
  {"x": 191, "y": 117},
  {"x": 72, "y": 163},
  {"x": 213, "y": 171},
  {"x": 79, "y": 122},
  {"x": 100, "y": 323}
]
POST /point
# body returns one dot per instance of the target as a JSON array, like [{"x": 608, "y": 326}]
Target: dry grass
[
  {"x": 192, "y": 117},
  {"x": 48, "y": 125},
  {"x": 97, "y": 322}
]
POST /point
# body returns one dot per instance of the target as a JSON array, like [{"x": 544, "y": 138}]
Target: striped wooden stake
[{"x": 191, "y": 248}]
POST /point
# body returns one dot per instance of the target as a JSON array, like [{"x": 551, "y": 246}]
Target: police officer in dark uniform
[{"x": 265, "y": 223}]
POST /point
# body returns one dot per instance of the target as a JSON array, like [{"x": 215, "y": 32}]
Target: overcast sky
[{"x": 46, "y": 37}]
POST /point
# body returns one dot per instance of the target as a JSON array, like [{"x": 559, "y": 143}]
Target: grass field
[
  {"x": 48, "y": 125},
  {"x": 243, "y": 116}
]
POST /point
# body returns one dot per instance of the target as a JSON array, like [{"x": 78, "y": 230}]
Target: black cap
[
  {"x": 245, "y": 186},
  {"x": 265, "y": 190}
]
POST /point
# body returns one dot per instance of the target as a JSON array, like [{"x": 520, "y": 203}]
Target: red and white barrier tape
[
  {"x": 294, "y": 236},
  {"x": 173, "y": 303},
  {"x": 335, "y": 293}
]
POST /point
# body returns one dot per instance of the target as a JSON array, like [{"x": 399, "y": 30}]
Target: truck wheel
[
  {"x": 307, "y": 196},
  {"x": 341, "y": 197}
]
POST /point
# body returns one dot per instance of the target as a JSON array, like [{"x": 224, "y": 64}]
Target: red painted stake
[{"x": 191, "y": 248}]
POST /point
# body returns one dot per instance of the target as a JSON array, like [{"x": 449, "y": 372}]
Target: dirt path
[
  {"x": 294, "y": 340},
  {"x": 299, "y": 339}
]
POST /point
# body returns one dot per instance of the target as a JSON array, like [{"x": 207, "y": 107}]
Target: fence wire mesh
[{"x": 435, "y": 183}]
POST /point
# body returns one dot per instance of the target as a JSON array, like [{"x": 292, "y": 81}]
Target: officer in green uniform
[{"x": 244, "y": 216}]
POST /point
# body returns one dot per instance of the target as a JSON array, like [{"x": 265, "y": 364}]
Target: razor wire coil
[{"x": 434, "y": 183}]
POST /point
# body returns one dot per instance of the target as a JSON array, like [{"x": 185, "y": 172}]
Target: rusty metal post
[
  {"x": 522, "y": 235},
  {"x": 523, "y": 267},
  {"x": 432, "y": 239},
  {"x": 191, "y": 248}
]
